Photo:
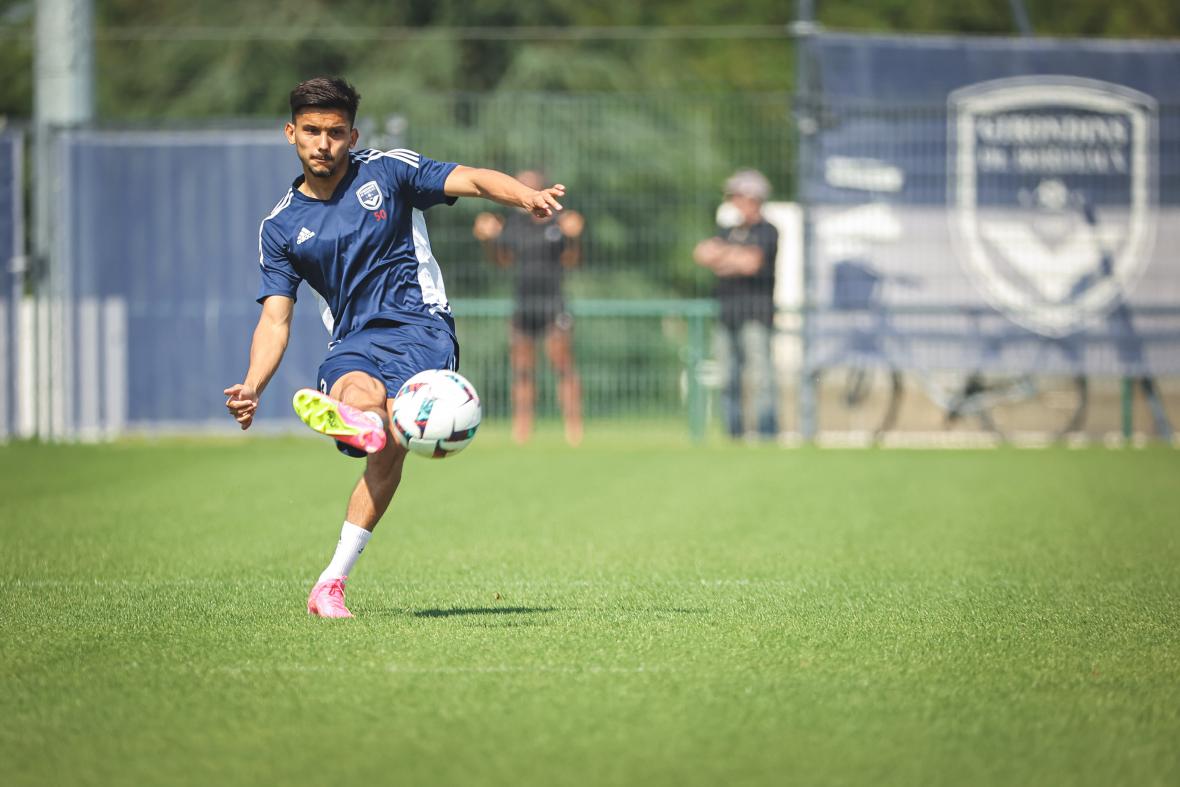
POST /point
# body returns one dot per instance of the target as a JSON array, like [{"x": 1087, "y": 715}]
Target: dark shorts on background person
[
  {"x": 392, "y": 352},
  {"x": 534, "y": 319}
]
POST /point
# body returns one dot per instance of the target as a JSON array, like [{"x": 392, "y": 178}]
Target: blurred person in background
[
  {"x": 352, "y": 225},
  {"x": 742, "y": 255},
  {"x": 539, "y": 250}
]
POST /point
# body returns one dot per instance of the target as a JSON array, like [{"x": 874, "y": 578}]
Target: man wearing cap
[{"x": 742, "y": 256}]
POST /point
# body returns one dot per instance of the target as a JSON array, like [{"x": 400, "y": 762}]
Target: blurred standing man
[
  {"x": 352, "y": 226},
  {"x": 743, "y": 256},
  {"x": 540, "y": 249}
]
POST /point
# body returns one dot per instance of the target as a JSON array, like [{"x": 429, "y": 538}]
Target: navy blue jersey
[{"x": 365, "y": 251}]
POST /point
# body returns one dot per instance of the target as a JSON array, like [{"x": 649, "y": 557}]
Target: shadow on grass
[{"x": 447, "y": 613}]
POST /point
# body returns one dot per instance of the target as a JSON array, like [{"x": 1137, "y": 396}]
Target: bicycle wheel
[
  {"x": 858, "y": 399},
  {"x": 1032, "y": 407}
]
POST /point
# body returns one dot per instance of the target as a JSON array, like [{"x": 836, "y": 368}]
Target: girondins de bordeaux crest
[
  {"x": 1053, "y": 193},
  {"x": 369, "y": 195}
]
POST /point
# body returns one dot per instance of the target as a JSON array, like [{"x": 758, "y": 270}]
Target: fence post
[
  {"x": 696, "y": 396},
  {"x": 1128, "y": 402}
]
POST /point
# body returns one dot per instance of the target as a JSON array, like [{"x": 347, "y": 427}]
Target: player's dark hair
[{"x": 325, "y": 93}]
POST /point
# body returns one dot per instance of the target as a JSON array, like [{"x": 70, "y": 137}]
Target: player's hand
[
  {"x": 543, "y": 203},
  {"x": 571, "y": 223},
  {"x": 487, "y": 227},
  {"x": 241, "y": 404}
]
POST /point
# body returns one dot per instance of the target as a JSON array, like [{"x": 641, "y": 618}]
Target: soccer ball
[{"x": 436, "y": 413}]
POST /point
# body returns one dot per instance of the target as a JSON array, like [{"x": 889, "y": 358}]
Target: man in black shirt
[
  {"x": 743, "y": 256},
  {"x": 539, "y": 252}
]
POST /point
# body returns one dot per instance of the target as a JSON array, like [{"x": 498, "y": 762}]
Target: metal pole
[
  {"x": 63, "y": 93},
  {"x": 63, "y": 97},
  {"x": 22, "y": 400},
  {"x": 1020, "y": 15},
  {"x": 807, "y": 126}
]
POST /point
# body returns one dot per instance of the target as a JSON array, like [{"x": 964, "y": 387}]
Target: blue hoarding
[{"x": 994, "y": 203}]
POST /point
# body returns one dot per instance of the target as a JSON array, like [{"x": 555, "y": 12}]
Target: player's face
[{"x": 322, "y": 138}]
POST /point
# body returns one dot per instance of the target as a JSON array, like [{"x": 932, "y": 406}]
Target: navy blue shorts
[{"x": 392, "y": 352}]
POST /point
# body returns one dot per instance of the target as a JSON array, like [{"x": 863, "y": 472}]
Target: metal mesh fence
[
  {"x": 148, "y": 307},
  {"x": 645, "y": 171},
  {"x": 158, "y": 284}
]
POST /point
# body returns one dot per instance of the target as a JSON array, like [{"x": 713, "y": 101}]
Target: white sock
[{"x": 352, "y": 542}]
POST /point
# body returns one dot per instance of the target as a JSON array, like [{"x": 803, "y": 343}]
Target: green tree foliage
[
  {"x": 16, "y": 58},
  {"x": 658, "y": 120},
  {"x": 150, "y": 67}
]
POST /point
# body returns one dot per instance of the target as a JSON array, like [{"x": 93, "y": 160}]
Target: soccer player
[{"x": 352, "y": 226}]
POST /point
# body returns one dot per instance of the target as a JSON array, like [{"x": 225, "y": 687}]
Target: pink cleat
[
  {"x": 358, "y": 429},
  {"x": 327, "y": 599}
]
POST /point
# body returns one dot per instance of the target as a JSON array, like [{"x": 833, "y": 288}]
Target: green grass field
[{"x": 644, "y": 614}]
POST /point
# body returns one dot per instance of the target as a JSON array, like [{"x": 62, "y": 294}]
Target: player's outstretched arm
[
  {"x": 266, "y": 352},
  {"x": 505, "y": 189}
]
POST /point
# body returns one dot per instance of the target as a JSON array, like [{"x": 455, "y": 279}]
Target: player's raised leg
[{"x": 360, "y": 429}]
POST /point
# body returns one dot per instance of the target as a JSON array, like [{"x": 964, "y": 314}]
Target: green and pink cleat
[{"x": 359, "y": 430}]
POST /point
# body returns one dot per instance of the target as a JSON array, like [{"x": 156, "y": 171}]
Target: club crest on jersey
[
  {"x": 369, "y": 195},
  {"x": 1052, "y": 195}
]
